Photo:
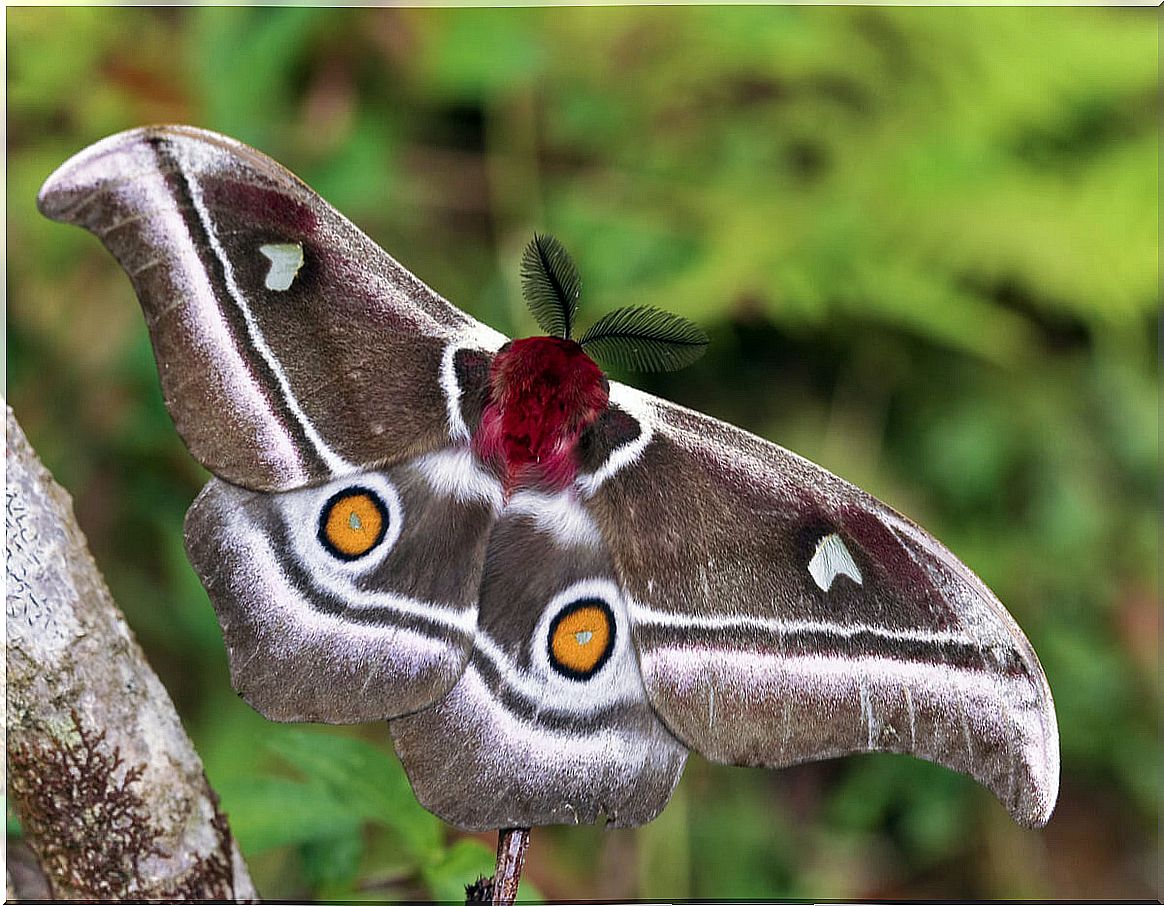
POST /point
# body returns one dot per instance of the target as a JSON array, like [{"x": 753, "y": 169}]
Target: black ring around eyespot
[
  {"x": 325, "y": 513},
  {"x": 571, "y": 608}
]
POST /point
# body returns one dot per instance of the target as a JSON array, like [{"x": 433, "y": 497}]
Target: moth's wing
[
  {"x": 291, "y": 348},
  {"x": 350, "y": 601},
  {"x": 532, "y": 734},
  {"x": 781, "y": 615}
]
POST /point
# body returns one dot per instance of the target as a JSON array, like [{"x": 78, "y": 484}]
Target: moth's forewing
[
  {"x": 291, "y": 347},
  {"x": 782, "y": 615}
]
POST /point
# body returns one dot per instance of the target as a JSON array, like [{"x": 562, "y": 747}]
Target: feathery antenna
[
  {"x": 550, "y": 284},
  {"x": 645, "y": 339},
  {"x": 640, "y": 338}
]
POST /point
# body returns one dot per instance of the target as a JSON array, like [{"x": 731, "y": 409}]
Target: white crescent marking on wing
[
  {"x": 286, "y": 258},
  {"x": 455, "y": 473},
  {"x": 458, "y": 430},
  {"x": 558, "y": 515},
  {"x": 832, "y": 559},
  {"x": 476, "y": 336}
]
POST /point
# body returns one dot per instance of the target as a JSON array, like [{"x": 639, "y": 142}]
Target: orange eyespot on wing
[
  {"x": 352, "y": 523},
  {"x": 582, "y": 638}
]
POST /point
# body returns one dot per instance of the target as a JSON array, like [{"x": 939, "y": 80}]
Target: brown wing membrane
[
  {"x": 291, "y": 347},
  {"x": 782, "y": 615}
]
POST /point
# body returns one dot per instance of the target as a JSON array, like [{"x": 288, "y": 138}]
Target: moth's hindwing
[
  {"x": 549, "y": 723},
  {"x": 291, "y": 348},
  {"x": 350, "y": 601},
  {"x": 782, "y": 615}
]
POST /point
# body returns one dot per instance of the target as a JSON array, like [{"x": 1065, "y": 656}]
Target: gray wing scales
[
  {"x": 549, "y": 724},
  {"x": 782, "y": 615},
  {"x": 350, "y": 601},
  {"x": 291, "y": 348}
]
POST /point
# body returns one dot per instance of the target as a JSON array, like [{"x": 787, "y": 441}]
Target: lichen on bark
[{"x": 110, "y": 792}]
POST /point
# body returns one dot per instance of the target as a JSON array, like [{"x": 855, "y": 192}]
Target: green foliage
[
  {"x": 924, "y": 243},
  {"x": 347, "y": 799},
  {"x": 369, "y": 784},
  {"x": 462, "y": 864},
  {"x": 13, "y": 830},
  {"x": 268, "y": 812}
]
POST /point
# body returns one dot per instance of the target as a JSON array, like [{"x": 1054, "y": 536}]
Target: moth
[{"x": 548, "y": 629}]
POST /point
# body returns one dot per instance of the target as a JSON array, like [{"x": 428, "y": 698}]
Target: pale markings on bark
[{"x": 74, "y": 667}]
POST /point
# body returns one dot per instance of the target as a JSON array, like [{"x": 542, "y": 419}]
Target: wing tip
[
  {"x": 114, "y": 158},
  {"x": 86, "y": 169},
  {"x": 1038, "y": 797}
]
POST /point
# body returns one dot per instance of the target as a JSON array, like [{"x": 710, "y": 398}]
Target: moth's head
[
  {"x": 544, "y": 392},
  {"x": 550, "y": 379}
]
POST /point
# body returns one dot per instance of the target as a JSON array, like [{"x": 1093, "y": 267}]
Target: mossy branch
[{"x": 109, "y": 790}]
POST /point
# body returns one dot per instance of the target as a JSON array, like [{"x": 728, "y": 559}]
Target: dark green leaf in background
[{"x": 365, "y": 780}]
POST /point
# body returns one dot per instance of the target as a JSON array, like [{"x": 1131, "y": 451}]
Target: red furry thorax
[{"x": 543, "y": 393}]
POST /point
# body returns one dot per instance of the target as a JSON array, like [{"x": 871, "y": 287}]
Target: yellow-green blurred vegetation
[{"x": 924, "y": 242}]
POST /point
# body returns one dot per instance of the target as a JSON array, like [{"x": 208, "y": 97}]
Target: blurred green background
[{"x": 924, "y": 242}]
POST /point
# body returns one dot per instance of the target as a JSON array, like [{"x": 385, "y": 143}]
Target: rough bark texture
[{"x": 109, "y": 789}]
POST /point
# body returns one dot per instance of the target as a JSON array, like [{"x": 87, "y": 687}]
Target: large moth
[{"x": 547, "y": 643}]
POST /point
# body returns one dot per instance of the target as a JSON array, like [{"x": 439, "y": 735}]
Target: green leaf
[
  {"x": 463, "y": 863},
  {"x": 269, "y": 812},
  {"x": 332, "y": 864},
  {"x": 368, "y": 781},
  {"x": 664, "y": 863},
  {"x": 550, "y": 285},
  {"x": 12, "y": 822},
  {"x": 476, "y": 54},
  {"x": 645, "y": 339}
]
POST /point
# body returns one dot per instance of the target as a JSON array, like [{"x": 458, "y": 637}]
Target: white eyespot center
[
  {"x": 832, "y": 559},
  {"x": 583, "y": 637},
  {"x": 286, "y": 258},
  {"x": 354, "y": 522}
]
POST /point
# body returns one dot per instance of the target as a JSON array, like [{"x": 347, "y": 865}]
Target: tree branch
[
  {"x": 500, "y": 889},
  {"x": 511, "y": 846},
  {"x": 110, "y": 792}
]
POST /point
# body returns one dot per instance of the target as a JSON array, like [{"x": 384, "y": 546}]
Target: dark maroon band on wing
[
  {"x": 887, "y": 550},
  {"x": 471, "y": 367},
  {"x": 265, "y": 208},
  {"x": 614, "y": 428}
]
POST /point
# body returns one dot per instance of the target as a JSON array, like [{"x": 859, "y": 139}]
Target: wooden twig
[
  {"x": 109, "y": 790},
  {"x": 511, "y": 846}
]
